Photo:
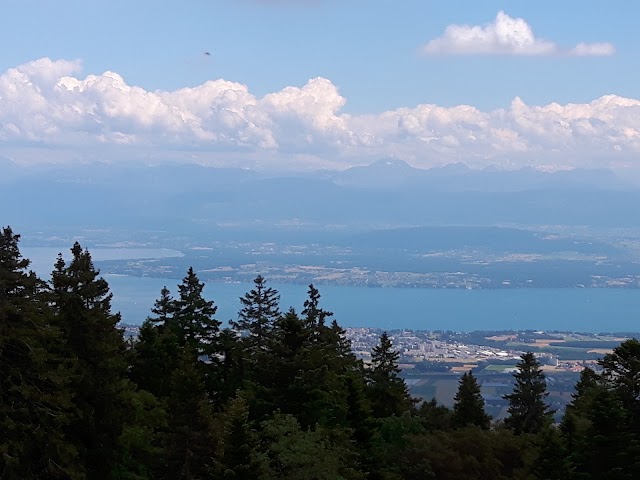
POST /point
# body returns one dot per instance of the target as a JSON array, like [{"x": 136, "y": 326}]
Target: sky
[{"x": 309, "y": 84}]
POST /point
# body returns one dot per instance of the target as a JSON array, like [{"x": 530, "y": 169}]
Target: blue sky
[{"x": 374, "y": 55}]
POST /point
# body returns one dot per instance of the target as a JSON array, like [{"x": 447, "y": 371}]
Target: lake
[{"x": 577, "y": 309}]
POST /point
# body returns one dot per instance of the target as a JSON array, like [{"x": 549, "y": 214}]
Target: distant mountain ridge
[
  {"x": 385, "y": 174},
  {"x": 388, "y": 192},
  {"x": 393, "y": 173}
]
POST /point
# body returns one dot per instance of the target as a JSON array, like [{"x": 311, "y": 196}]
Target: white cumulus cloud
[
  {"x": 48, "y": 112},
  {"x": 593, "y": 50},
  {"x": 505, "y": 36}
]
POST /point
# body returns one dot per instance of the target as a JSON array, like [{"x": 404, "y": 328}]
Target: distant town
[
  {"x": 432, "y": 362},
  {"x": 392, "y": 257},
  {"x": 509, "y": 273}
]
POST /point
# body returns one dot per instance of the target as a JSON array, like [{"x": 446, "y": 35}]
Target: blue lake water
[{"x": 589, "y": 310}]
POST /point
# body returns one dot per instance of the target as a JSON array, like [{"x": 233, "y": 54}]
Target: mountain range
[{"x": 385, "y": 193}]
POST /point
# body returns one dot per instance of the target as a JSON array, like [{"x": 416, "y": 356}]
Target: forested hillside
[{"x": 277, "y": 394}]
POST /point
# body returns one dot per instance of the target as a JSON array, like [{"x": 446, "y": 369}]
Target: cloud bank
[
  {"x": 48, "y": 112},
  {"x": 505, "y": 36}
]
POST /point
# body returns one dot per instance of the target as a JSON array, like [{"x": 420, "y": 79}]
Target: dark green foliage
[
  {"x": 163, "y": 309},
  {"x": 190, "y": 446},
  {"x": 140, "y": 447},
  {"x": 600, "y": 426},
  {"x": 460, "y": 454},
  {"x": 193, "y": 316},
  {"x": 387, "y": 391},
  {"x": 278, "y": 368},
  {"x": 82, "y": 304},
  {"x": 155, "y": 357},
  {"x": 468, "y": 409},
  {"x": 233, "y": 373},
  {"x": 621, "y": 371},
  {"x": 552, "y": 462},
  {"x": 294, "y": 453},
  {"x": 175, "y": 360},
  {"x": 575, "y": 422},
  {"x": 238, "y": 454},
  {"x": 35, "y": 399},
  {"x": 392, "y": 438},
  {"x": 606, "y": 439},
  {"x": 315, "y": 316},
  {"x": 259, "y": 313},
  {"x": 528, "y": 412},
  {"x": 434, "y": 416},
  {"x": 157, "y": 349},
  {"x": 359, "y": 417}
]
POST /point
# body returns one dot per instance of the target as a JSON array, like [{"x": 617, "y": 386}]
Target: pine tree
[
  {"x": 331, "y": 338},
  {"x": 190, "y": 447},
  {"x": 163, "y": 309},
  {"x": 388, "y": 392},
  {"x": 359, "y": 418},
  {"x": 621, "y": 371},
  {"x": 621, "y": 377},
  {"x": 528, "y": 412},
  {"x": 336, "y": 338},
  {"x": 434, "y": 416},
  {"x": 597, "y": 428},
  {"x": 468, "y": 408},
  {"x": 35, "y": 398},
  {"x": 315, "y": 316},
  {"x": 238, "y": 456},
  {"x": 156, "y": 351},
  {"x": 232, "y": 371},
  {"x": 553, "y": 460},
  {"x": 193, "y": 316},
  {"x": 259, "y": 313},
  {"x": 82, "y": 304},
  {"x": 607, "y": 441},
  {"x": 576, "y": 421},
  {"x": 280, "y": 367}
]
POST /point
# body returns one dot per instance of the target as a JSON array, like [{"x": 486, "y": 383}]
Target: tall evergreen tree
[
  {"x": 576, "y": 424},
  {"x": 259, "y": 313},
  {"x": 280, "y": 365},
  {"x": 168, "y": 363},
  {"x": 606, "y": 444},
  {"x": 336, "y": 337},
  {"x": 315, "y": 316},
  {"x": 197, "y": 329},
  {"x": 328, "y": 371},
  {"x": 621, "y": 372},
  {"x": 553, "y": 460},
  {"x": 193, "y": 316},
  {"x": 528, "y": 412},
  {"x": 585, "y": 389},
  {"x": 468, "y": 408},
  {"x": 621, "y": 378},
  {"x": 35, "y": 399},
  {"x": 388, "y": 392},
  {"x": 434, "y": 416},
  {"x": 156, "y": 351},
  {"x": 190, "y": 449},
  {"x": 163, "y": 309},
  {"x": 237, "y": 455},
  {"x": 330, "y": 339},
  {"x": 82, "y": 304}
]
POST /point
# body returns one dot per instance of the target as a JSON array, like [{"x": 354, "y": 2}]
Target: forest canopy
[{"x": 276, "y": 394}]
